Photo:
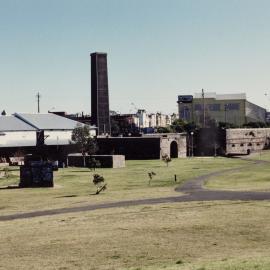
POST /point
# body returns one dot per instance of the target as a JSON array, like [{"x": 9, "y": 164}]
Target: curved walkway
[{"x": 193, "y": 189}]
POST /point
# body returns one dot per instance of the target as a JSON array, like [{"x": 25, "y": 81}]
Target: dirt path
[{"x": 193, "y": 189}]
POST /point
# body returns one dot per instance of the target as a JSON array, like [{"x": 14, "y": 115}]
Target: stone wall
[
  {"x": 119, "y": 161},
  {"x": 150, "y": 146},
  {"x": 170, "y": 140},
  {"x": 248, "y": 140}
]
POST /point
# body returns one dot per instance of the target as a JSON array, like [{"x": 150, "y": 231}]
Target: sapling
[
  {"x": 6, "y": 171},
  {"x": 166, "y": 159},
  {"x": 150, "y": 175},
  {"x": 99, "y": 182}
]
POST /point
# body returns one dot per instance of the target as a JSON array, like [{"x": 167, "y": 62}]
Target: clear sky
[{"x": 157, "y": 49}]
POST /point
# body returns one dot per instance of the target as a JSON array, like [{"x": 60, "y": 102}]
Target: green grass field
[
  {"x": 252, "y": 178},
  {"x": 74, "y": 187},
  {"x": 219, "y": 235}
]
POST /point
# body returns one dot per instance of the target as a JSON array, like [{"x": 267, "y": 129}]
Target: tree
[
  {"x": 224, "y": 125},
  {"x": 93, "y": 164},
  {"x": 82, "y": 138},
  {"x": 255, "y": 125},
  {"x": 163, "y": 130},
  {"x": 178, "y": 126},
  {"x": 166, "y": 159},
  {"x": 115, "y": 129},
  {"x": 6, "y": 171},
  {"x": 151, "y": 175}
]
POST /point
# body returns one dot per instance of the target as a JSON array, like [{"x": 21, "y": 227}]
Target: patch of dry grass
[
  {"x": 216, "y": 235},
  {"x": 253, "y": 178}
]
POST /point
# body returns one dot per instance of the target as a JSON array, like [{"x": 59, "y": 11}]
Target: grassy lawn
[
  {"x": 263, "y": 155},
  {"x": 179, "y": 236},
  {"x": 74, "y": 187},
  {"x": 199, "y": 236},
  {"x": 254, "y": 178}
]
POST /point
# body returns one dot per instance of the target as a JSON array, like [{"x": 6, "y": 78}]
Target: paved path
[{"x": 193, "y": 189}]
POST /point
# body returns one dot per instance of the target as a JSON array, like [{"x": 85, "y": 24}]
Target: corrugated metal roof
[
  {"x": 47, "y": 121},
  {"x": 11, "y": 123}
]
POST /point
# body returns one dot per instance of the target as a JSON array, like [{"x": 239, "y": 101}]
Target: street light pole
[{"x": 192, "y": 153}]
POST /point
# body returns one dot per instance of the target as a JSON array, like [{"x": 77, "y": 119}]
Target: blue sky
[{"x": 157, "y": 49}]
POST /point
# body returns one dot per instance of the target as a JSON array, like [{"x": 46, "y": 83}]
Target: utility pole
[
  {"x": 38, "y": 100},
  {"x": 225, "y": 113},
  {"x": 267, "y": 107},
  {"x": 203, "y": 108}
]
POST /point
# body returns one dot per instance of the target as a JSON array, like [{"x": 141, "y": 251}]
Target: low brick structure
[{"x": 105, "y": 161}]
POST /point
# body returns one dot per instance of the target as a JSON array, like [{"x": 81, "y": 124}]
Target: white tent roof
[
  {"x": 11, "y": 123},
  {"x": 48, "y": 121}
]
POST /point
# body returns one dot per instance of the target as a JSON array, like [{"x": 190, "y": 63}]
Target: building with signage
[{"x": 205, "y": 109}]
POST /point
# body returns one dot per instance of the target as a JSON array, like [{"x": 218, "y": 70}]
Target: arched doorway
[{"x": 174, "y": 149}]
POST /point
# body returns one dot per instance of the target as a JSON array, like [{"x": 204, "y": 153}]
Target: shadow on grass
[
  {"x": 67, "y": 196},
  {"x": 79, "y": 171},
  {"x": 9, "y": 187},
  {"x": 100, "y": 194}
]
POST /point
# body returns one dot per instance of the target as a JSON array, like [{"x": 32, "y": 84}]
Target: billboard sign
[{"x": 185, "y": 99}]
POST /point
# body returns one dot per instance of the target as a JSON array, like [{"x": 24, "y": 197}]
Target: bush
[
  {"x": 98, "y": 181},
  {"x": 166, "y": 159}
]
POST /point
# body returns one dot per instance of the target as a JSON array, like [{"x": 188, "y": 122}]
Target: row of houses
[
  {"x": 154, "y": 120},
  {"x": 132, "y": 121},
  {"x": 141, "y": 121}
]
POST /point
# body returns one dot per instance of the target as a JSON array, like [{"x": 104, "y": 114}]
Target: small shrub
[
  {"x": 179, "y": 262},
  {"x": 150, "y": 175},
  {"x": 166, "y": 159},
  {"x": 99, "y": 182},
  {"x": 93, "y": 164},
  {"x": 6, "y": 171}
]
